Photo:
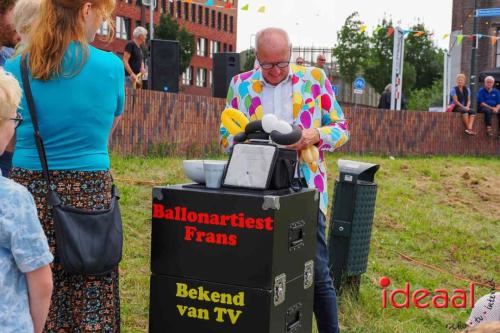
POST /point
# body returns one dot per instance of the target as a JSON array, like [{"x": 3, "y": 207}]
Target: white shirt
[{"x": 278, "y": 99}]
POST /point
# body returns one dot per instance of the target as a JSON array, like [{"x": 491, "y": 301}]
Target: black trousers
[{"x": 488, "y": 116}]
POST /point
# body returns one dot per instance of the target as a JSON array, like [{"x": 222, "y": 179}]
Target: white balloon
[
  {"x": 269, "y": 122},
  {"x": 283, "y": 127}
]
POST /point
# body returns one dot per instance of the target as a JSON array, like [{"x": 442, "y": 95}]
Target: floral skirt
[{"x": 79, "y": 303}]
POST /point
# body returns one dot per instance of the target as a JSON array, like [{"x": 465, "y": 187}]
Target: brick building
[
  {"x": 214, "y": 28},
  {"x": 488, "y": 53}
]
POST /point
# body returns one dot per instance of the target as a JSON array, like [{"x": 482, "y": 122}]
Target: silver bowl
[{"x": 193, "y": 169}]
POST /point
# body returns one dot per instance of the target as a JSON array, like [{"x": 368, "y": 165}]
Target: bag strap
[
  {"x": 53, "y": 198},
  {"x": 34, "y": 119}
]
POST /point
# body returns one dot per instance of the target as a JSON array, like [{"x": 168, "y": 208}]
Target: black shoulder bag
[{"x": 89, "y": 242}]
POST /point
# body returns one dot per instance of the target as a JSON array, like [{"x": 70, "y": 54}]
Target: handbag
[
  {"x": 89, "y": 242},
  {"x": 450, "y": 107},
  {"x": 261, "y": 165}
]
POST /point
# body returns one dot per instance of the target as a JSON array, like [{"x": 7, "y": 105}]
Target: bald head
[{"x": 275, "y": 38}]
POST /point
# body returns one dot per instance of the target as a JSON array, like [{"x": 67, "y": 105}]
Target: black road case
[{"x": 227, "y": 242}]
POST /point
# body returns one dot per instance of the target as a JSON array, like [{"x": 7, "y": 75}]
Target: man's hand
[
  {"x": 310, "y": 136},
  {"x": 133, "y": 77}
]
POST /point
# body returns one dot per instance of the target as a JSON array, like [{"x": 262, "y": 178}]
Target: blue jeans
[
  {"x": 325, "y": 299},
  {"x": 6, "y": 163}
]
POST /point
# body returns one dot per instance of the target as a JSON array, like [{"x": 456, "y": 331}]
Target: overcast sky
[{"x": 316, "y": 22}]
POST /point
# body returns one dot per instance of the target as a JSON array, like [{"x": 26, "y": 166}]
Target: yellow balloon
[{"x": 234, "y": 121}]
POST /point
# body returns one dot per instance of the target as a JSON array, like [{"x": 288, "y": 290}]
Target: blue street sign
[
  {"x": 336, "y": 90},
  {"x": 359, "y": 83},
  {"x": 488, "y": 12}
]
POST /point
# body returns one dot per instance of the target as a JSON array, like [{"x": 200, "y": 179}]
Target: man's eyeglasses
[
  {"x": 17, "y": 120},
  {"x": 270, "y": 65}
]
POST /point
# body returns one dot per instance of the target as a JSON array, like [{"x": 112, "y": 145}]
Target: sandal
[
  {"x": 489, "y": 131},
  {"x": 469, "y": 132}
]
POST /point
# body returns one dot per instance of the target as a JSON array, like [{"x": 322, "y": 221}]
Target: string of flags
[
  {"x": 228, "y": 5},
  {"x": 417, "y": 33}
]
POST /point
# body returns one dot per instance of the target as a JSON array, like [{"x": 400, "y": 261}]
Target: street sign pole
[
  {"x": 473, "y": 64},
  {"x": 397, "y": 68}
]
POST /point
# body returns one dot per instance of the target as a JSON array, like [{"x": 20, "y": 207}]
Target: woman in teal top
[{"x": 79, "y": 96}]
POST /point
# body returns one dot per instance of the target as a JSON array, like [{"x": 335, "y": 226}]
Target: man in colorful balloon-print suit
[{"x": 302, "y": 96}]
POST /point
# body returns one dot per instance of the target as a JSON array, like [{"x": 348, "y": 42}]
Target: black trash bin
[{"x": 351, "y": 223}]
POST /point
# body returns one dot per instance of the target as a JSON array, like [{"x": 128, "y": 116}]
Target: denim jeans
[
  {"x": 325, "y": 299},
  {"x": 6, "y": 163}
]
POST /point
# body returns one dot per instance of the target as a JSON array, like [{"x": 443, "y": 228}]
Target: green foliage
[
  {"x": 427, "y": 59},
  {"x": 351, "y": 49},
  {"x": 188, "y": 48},
  {"x": 378, "y": 69},
  {"x": 250, "y": 61},
  {"x": 423, "y": 60},
  {"x": 168, "y": 29},
  {"x": 421, "y": 99}
]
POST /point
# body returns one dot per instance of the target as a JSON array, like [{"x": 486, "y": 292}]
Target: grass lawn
[{"x": 442, "y": 211}]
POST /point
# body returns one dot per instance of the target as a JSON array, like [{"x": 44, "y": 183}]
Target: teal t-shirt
[{"x": 75, "y": 113}]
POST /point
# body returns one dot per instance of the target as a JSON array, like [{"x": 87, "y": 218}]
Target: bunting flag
[
  {"x": 209, "y": 3},
  {"x": 188, "y": 1},
  {"x": 446, "y": 36},
  {"x": 471, "y": 37},
  {"x": 245, "y": 7},
  {"x": 228, "y": 5},
  {"x": 262, "y": 9},
  {"x": 459, "y": 39},
  {"x": 494, "y": 40},
  {"x": 377, "y": 29},
  {"x": 390, "y": 31},
  {"x": 362, "y": 28},
  {"x": 406, "y": 33},
  {"x": 419, "y": 33}
]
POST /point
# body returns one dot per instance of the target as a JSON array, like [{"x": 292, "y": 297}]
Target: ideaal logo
[
  {"x": 222, "y": 314},
  {"x": 423, "y": 298}
]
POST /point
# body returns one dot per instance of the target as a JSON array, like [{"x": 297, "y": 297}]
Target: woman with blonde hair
[
  {"x": 78, "y": 92},
  {"x": 24, "y": 15},
  {"x": 460, "y": 97}
]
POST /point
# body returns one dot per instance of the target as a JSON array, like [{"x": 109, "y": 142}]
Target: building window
[
  {"x": 164, "y": 6},
  {"x": 186, "y": 11},
  {"x": 138, "y": 23},
  {"x": 210, "y": 79},
  {"x": 122, "y": 28},
  {"x": 230, "y": 48},
  {"x": 201, "y": 49},
  {"x": 207, "y": 16},
  {"x": 193, "y": 12},
  {"x": 231, "y": 24},
  {"x": 224, "y": 47},
  {"x": 171, "y": 8},
  {"x": 201, "y": 77},
  {"x": 213, "y": 19},
  {"x": 187, "y": 76},
  {"x": 200, "y": 14},
  {"x": 214, "y": 48},
  {"x": 225, "y": 22},
  {"x": 179, "y": 9},
  {"x": 103, "y": 29},
  {"x": 219, "y": 20}
]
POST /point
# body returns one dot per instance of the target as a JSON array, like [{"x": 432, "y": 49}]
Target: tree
[
  {"x": 427, "y": 59},
  {"x": 249, "y": 60},
  {"x": 351, "y": 49},
  {"x": 168, "y": 29}
]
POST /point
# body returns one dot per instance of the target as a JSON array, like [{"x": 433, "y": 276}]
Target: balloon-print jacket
[{"x": 314, "y": 105}]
